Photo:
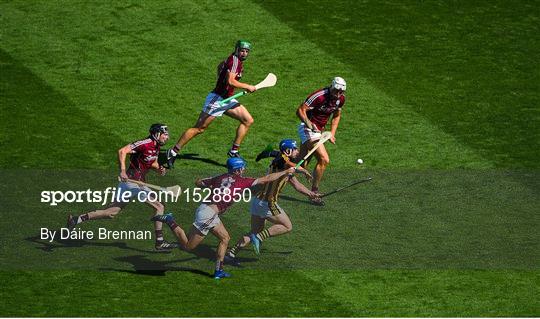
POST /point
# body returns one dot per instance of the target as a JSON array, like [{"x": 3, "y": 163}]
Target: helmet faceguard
[
  {"x": 241, "y": 44},
  {"x": 339, "y": 84},
  {"x": 287, "y": 146},
  {"x": 156, "y": 130}
]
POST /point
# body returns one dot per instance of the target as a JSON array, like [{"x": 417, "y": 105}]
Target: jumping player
[
  {"x": 314, "y": 114},
  {"x": 207, "y": 214},
  {"x": 264, "y": 206},
  {"x": 229, "y": 75},
  {"x": 143, "y": 157}
]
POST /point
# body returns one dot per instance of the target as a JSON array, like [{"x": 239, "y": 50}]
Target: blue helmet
[
  {"x": 287, "y": 144},
  {"x": 235, "y": 163}
]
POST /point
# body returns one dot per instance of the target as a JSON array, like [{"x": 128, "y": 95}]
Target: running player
[
  {"x": 207, "y": 214},
  {"x": 229, "y": 75},
  {"x": 314, "y": 114},
  {"x": 264, "y": 206},
  {"x": 143, "y": 157}
]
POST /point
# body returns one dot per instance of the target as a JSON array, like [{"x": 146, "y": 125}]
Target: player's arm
[
  {"x": 272, "y": 177},
  {"x": 301, "y": 188},
  {"x": 158, "y": 168},
  {"x": 122, "y": 154},
  {"x": 301, "y": 112},
  {"x": 239, "y": 85},
  {"x": 336, "y": 116},
  {"x": 203, "y": 182}
]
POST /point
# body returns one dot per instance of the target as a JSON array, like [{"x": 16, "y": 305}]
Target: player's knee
[
  {"x": 288, "y": 227},
  {"x": 248, "y": 122},
  {"x": 112, "y": 212},
  {"x": 225, "y": 239},
  {"x": 200, "y": 130},
  {"x": 324, "y": 161}
]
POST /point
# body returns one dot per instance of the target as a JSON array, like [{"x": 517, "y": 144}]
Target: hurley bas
[{"x": 102, "y": 234}]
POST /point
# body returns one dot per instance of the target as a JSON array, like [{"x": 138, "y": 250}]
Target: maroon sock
[
  {"x": 235, "y": 147},
  {"x": 159, "y": 236}
]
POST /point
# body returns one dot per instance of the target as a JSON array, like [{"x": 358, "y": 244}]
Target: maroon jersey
[
  {"x": 144, "y": 153},
  {"x": 321, "y": 104},
  {"x": 232, "y": 64},
  {"x": 236, "y": 184}
]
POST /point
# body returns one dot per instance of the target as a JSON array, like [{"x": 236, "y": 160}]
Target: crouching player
[
  {"x": 264, "y": 206},
  {"x": 143, "y": 157},
  {"x": 207, "y": 215}
]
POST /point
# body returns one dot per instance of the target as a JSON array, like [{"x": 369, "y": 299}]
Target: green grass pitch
[{"x": 442, "y": 106}]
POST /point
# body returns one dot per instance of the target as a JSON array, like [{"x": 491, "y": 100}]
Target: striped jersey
[
  {"x": 143, "y": 154},
  {"x": 227, "y": 183},
  {"x": 321, "y": 104},
  {"x": 231, "y": 64},
  {"x": 270, "y": 191}
]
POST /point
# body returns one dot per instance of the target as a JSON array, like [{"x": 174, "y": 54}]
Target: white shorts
[
  {"x": 133, "y": 188},
  {"x": 211, "y": 105},
  {"x": 306, "y": 134},
  {"x": 205, "y": 219},
  {"x": 262, "y": 209}
]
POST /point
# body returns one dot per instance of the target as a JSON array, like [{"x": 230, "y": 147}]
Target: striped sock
[
  {"x": 235, "y": 147},
  {"x": 172, "y": 224},
  {"x": 234, "y": 250},
  {"x": 176, "y": 149},
  {"x": 263, "y": 235},
  {"x": 219, "y": 265},
  {"x": 82, "y": 218},
  {"x": 159, "y": 235}
]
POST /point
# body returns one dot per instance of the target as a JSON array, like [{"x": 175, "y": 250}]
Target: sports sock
[
  {"x": 82, "y": 218},
  {"x": 219, "y": 265},
  {"x": 236, "y": 248},
  {"x": 172, "y": 224},
  {"x": 314, "y": 189},
  {"x": 235, "y": 147},
  {"x": 159, "y": 236},
  {"x": 263, "y": 235},
  {"x": 176, "y": 150}
]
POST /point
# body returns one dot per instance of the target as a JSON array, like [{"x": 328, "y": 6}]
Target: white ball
[{"x": 359, "y": 161}]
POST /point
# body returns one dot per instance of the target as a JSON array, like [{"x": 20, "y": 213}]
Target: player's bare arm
[
  {"x": 301, "y": 112},
  {"x": 301, "y": 188},
  {"x": 158, "y": 168},
  {"x": 122, "y": 154},
  {"x": 272, "y": 177},
  {"x": 240, "y": 85},
  {"x": 336, "y": 116}
]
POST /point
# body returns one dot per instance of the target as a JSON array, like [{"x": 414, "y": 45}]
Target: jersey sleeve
[
  {"x": 245, "y": 182},
  {"x": 138, "y": 146},
  {"x": 315, "y": 100}
]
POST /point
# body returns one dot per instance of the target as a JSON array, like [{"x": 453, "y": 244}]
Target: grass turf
[{"x": 426, "y": 91}]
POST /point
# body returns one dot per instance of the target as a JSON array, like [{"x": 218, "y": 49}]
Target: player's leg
[
  {"x": 281, "y": 224},
  {"x": 110, "y": 212},
  {"x": 322, "y": 162},
  {"x": 160, "y": 244},
  {"x": 257, "y": 225},
  {"x": 200, "y": 126},
  {"x": 175, "y": 228},
  {"x": 221, "y": 233},
  {"x": 241, "y": 114}
]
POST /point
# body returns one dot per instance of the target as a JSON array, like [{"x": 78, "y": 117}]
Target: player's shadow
[
  {"x": 292, "y": 199},
  {"x": 162, "y": 159},
  {"x": 144, "y": 266}
]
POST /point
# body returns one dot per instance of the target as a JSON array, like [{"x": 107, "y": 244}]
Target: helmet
[
  {"x": 242, "y": 44},
  {"x": 157, "y": 129},
  {"x": 286, "y": 145},
  {"x": 339, "y": 84},
  {"x": 235, "y": 163}
]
